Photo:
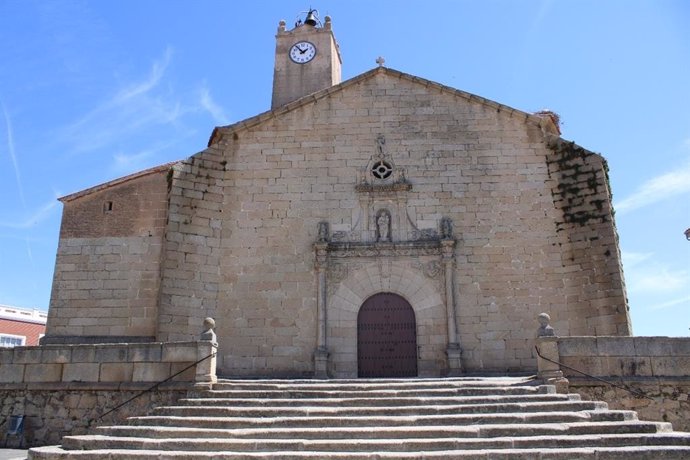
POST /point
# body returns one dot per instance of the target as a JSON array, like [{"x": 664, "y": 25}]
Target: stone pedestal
[
  {"x": 454, "y": 353},
  {"x": 206, "y": 370},
  {"x": 548, "y": 368},
  {"x": 321, "y": 363}
]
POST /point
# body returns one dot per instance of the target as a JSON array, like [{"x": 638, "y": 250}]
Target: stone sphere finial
[
  {"x": 545, "y": 329},
  {"x": 208, "y": 333}
]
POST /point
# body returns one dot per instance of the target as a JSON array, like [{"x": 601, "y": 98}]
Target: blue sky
[{"x": 94, "y": 90}]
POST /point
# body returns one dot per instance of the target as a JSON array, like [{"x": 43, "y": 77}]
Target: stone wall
[
  {"x": 107, "y": 271},
  {"x": 52, "y": 411},
  {"x": 65, "y": 389},
  {"x": 150, "y": 362},
  {"x": 657, "y": 369},
  {"x": 244, "y": 215},
  {"x": 594, "y": 300}
]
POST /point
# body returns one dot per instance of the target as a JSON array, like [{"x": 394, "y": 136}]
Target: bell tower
[{"x": 307, "y": 59}]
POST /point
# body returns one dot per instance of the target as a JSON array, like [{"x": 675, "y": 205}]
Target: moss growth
[{"x": 577, "y": 179}]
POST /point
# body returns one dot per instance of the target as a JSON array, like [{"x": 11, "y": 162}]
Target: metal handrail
[
  {"x": 639, "y": 393},
  {"x": 148, "y": 390}
]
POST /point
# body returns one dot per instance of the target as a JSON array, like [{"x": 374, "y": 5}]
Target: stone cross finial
[
  {"x": 380, "y": 61},
  {"x": 545, "y": 329},
  {"x": 208, "y": 333}
]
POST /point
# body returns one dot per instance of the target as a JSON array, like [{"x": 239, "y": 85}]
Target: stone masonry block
[
  {"x": 654, "y": 346},
  {"x": 150, "y": 372},
  {"x": 616, "y": 346},
  {"x": 80, "y": 372},
  {"x": 577, "y": 346},
  {"x": 6, "y": 356},
  {"x": 146, "y": 353},
  {"x": 111, "y": 353},
  {"x": 43, "y": 373},
  {"x": 11, "y": 373},
  {"x": 84, "y": 354},
  {"x": 27, "y": 355},
  {"x": 116, "y": 372},
  {"x": 671, "y": 366},
  {"x": 56, "y": 355},
  {"x": 179, "y": 352},
  {"x": 681, "y": 346}
]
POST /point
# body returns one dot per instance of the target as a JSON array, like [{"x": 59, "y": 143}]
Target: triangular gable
[
  {"x": 118, "y": 181},
  {"x": 543, "y": 120}
]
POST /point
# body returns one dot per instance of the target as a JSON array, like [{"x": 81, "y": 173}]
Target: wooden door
[{"x": 386, "y": 337}]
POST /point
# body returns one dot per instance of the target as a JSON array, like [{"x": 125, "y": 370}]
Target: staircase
[{"x": 459, "y": 418}]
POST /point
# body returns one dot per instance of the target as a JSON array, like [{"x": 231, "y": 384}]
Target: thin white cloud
[
  {"x": 632, "y": 259},
  {"x": 13, "y": 153},
  {"x": 653, "y": 278},
  {"x": 38, "y": 216},
  {"x": 657, "y": 189},
  {"x": 124, "y": 163},
  {"x": 131, "y": 111},
  {"x": 157, "y": 71},
  {"x": 671, "y": 303},
  {"x": 208, "y": 104}
]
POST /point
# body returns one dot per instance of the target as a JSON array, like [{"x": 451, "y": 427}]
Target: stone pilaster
[
  {"x": 454, "y": 352},
  {"x": 321, "y": 265}
]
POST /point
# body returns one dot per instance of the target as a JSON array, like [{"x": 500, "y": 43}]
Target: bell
[{"x": 311, "y": 18}]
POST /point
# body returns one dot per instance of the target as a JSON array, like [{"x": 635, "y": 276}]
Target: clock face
[{"x": 302, "y": 52}]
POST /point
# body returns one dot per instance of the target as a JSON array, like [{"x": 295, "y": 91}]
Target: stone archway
[
  {"x": 386, "y": 337},
  {"x": 364, "y": 280}
]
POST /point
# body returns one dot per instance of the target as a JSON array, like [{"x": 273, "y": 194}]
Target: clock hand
[{"x": 302, "y": 51}]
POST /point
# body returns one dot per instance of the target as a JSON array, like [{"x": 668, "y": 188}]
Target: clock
[{"x": 302, "y": 52}]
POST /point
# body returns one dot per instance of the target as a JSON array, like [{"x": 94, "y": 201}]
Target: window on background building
[{"x": 10, "y": 341}]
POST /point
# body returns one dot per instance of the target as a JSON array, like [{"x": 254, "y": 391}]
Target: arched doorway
[{"x": 386, "y": 337}]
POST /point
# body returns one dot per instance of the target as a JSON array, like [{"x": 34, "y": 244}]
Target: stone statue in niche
[
  {"x": 323, "y": 232},
  {"x": 383, "y": 226},
  {"x": 446, "y": 228}
]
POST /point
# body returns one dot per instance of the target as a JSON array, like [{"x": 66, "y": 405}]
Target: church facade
[{"x": 384, "y": 226}]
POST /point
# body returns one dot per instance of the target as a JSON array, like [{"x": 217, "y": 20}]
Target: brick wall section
[
  {"x": 31, "y": 331},
  {"x": 244, "y": 215},
  {"x": 107, "y": 272}
]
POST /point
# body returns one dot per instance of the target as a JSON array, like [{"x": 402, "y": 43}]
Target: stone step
[
  {"x": 380, "y": 421},
  {"x": 314, "y": 410},
  {"x": 366, "y": 384},
  {"x": 394, "y": 432},
  {"x": 488, "y": 419},
  {"x": 581, "y": 453},
  {"x": 210, "y": 400},
  {"x": 95, "y": 442},
  {"x": 382, "y": 392}
]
